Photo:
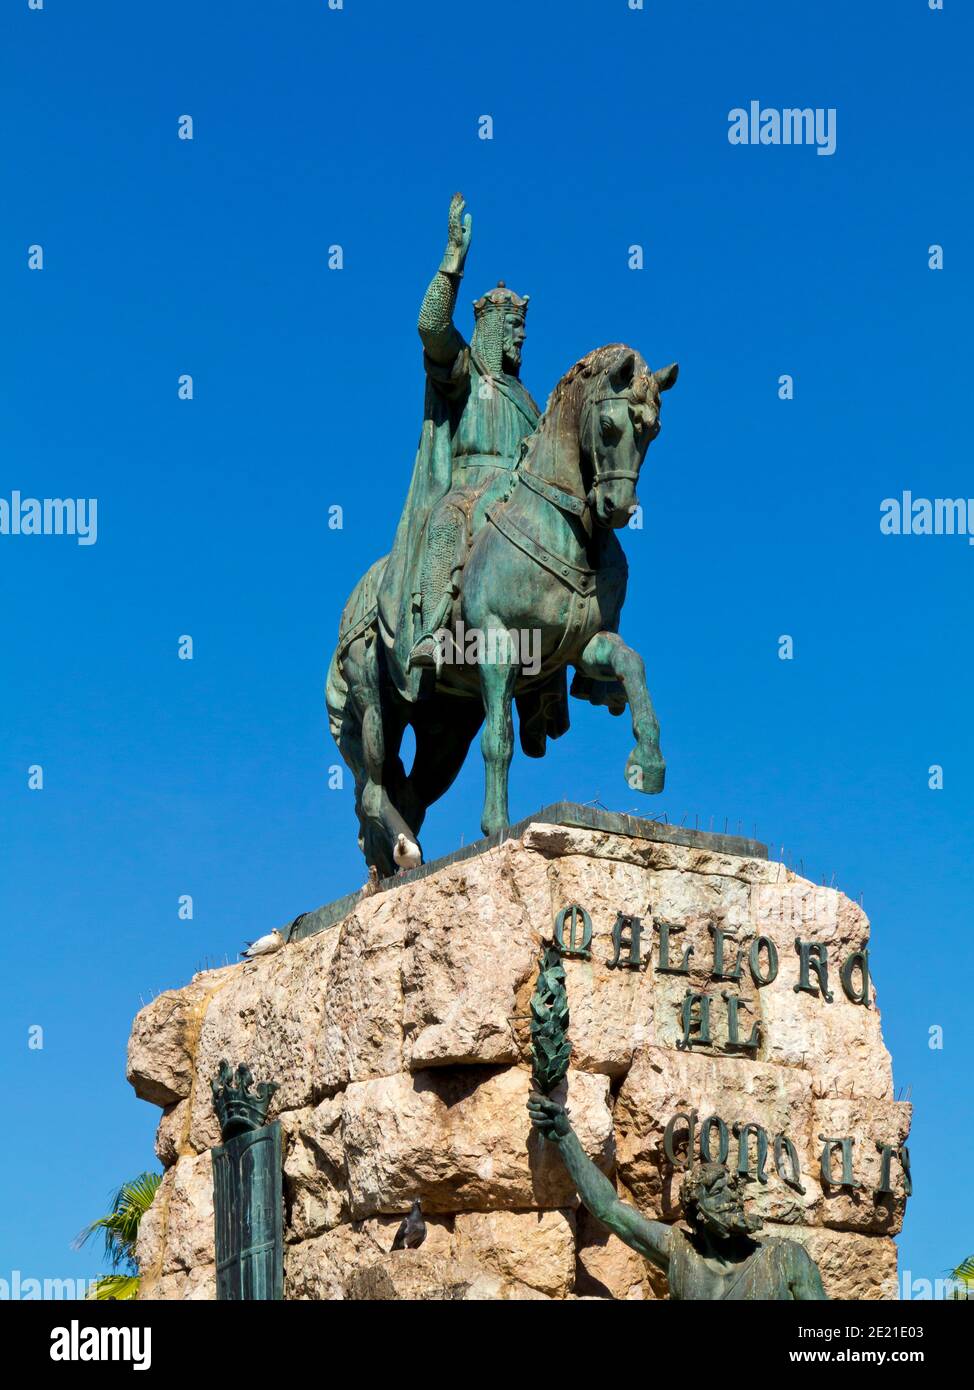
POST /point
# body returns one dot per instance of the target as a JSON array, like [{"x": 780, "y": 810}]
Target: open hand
[{"x": 457, "y": 238}]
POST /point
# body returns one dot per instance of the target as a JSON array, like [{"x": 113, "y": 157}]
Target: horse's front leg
[
  {"x": 607, "y": 656},
  {"x": 497, "y": 680}
]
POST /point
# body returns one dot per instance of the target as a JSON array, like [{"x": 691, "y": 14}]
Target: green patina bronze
[
  {"x": 550, "y": 1046},
  {"x": 717, "y": 1255},
  {"x": 504, "y": 572},
  {"x": 247, "y": 1190}
]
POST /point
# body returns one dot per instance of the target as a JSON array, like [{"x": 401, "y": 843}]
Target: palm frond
[
  {"x": 114, "y": 1287},
  {"x": 550, "y": 1045},
  {"x": 121, "y": 1225}
]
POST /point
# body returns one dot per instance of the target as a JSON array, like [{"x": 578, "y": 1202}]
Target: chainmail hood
[{"x": 489, "y": 313}]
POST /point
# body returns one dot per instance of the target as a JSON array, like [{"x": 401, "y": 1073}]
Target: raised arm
[
  {"x": 440, "y": 338},
  {"x": 650, "y": 1238}
]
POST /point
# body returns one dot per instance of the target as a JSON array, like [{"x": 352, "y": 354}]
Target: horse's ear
[
  {"x": 621, "y": 375},
  {"x": 666, "y": 376}
]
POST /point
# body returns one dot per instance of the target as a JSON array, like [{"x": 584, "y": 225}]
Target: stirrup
[{"x": 425, "y": 655}]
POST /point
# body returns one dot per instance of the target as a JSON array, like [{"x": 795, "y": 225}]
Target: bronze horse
[{"x": 544, "y": 564}]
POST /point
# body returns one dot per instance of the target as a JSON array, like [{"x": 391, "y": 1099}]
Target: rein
[
  {"x": 580, "y": 578},
  {"x": 569, "y": 501},
  {"x": 558, "y": 496},
  {"x": 562, "y": 498}
]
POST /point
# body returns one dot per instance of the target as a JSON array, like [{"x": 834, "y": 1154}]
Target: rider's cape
[{"x": 447, "y": 396}]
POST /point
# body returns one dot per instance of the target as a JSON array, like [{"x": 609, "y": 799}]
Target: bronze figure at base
[{"x": 718, "y": 1256}]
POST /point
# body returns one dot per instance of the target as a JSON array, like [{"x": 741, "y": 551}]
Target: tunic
[
  {"x": 770, "y": 1274},
  {"x": 474, "y": 421}
]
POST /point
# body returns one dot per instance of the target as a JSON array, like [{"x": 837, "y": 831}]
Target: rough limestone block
[
  {"x": 841, "y": 1041},
  {"x": 867, "y": 1122},
  {"x": 315, "y": 1270},
  {"x": 314, "y": 1170},
  {"x": 150, "y": 1244},
  {"x": 853, "y": 1266},
  {"x": 532, "y": 1248},
  {"x": 189, "y": 1226},
  {"x": 162, "y": 1045},
  {"x": 461, "y": 1140},
  {"x": 320, "y": 1268},
  {"x": 606, "y": 1268},
  {"x": 172, "y": 1133},
  {"x": 269, "y": 1015},
  {"x": 663, "y": 1082},
  {"x": 400, "y": 1042},
  {"x": 415, "y": 1274},
  {"x": 188, "y": 1284},
  {"x": 469, "y": 953},
  {"x": 611, "y": 1010},
  {"x": 361, "y": 994},
  {"x": 561, "y": 841}
]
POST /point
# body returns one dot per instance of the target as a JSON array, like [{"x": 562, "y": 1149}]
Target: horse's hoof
[{"x": 645, "y": 775}]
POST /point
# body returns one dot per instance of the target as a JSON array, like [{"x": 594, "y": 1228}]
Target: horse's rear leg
[
  {"x": 350, "y": 746},
  {"x": 606, "y": 657},
  {"x": 377, "y": 807},
  {"x": 373, "y": 839},
  {"x": 444, "y": 730}
]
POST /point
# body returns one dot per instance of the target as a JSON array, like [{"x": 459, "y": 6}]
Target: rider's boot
[
  {"x": 427, "y": 653},
  {"x": 439, "y": 584}
]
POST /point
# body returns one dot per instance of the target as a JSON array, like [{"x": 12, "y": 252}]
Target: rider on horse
[{"x": 477, "y": 413}]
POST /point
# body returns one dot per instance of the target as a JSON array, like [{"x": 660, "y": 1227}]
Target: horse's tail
[
  {"x": 336, "y": 695},
  {"x": 358, "y": 616}
]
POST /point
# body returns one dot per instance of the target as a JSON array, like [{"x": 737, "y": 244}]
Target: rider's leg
[{"x": 443, "y": 556}]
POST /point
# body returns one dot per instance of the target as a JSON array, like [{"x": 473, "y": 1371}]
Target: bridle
[{"x": 569, "y": 501}]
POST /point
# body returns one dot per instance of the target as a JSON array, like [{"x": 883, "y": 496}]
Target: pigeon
[
  {"x": 406, "y": 854},
  {"x": 412, "y": 1230},
  {"x": 371, "y": 885},
  {"x": 263, "y": 946}
]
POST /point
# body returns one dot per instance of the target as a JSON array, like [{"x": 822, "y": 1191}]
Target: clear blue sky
[{"x": 163, "y": 257}]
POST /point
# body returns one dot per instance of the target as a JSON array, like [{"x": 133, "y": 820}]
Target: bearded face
[
  {"x": 714, "y": 1204},
  {"x": 514, "y": 336}
]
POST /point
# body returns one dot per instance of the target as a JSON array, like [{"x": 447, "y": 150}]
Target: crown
[
  {"x": 501, "y": 298},
  {"x": 238, "y": 1108}
]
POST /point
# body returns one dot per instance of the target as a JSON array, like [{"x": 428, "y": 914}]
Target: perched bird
[
  {"x": 263, "y": 946},
  {"x": 412, "y": 1229},
  {"x": 406, "y": 854},
  {"x": 371, "y": 884}
]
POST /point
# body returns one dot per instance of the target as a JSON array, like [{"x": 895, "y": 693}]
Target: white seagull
[
  {"x": 406, "y": 854},
  {"x": 263, "y": 946}
]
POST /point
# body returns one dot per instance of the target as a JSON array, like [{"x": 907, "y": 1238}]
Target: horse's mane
[{"x": 598, "y": 362}]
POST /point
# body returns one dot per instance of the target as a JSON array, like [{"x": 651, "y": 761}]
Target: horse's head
[{"x": 617, "y": 419}]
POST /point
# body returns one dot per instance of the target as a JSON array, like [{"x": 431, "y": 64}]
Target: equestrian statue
[{"x": 504, "y": 572}]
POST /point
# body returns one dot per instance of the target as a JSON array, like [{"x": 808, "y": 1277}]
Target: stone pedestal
[{"x": 396, "y": 1027}]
